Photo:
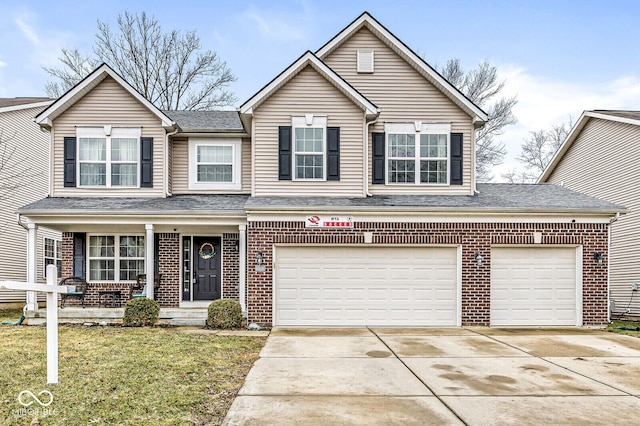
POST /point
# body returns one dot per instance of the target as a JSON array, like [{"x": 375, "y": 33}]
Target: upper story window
[
  {"x": 417, "y": 153},
  {"x": 108, "y": 157},
  {"x": 309, "y": 142},
  {"x": 215, "y": 163}
]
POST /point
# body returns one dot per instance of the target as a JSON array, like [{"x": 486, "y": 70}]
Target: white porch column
[
  {"x": 149, "y": 259},
  {"x": 32, "y": 264},
  {"x": 242, "y": 254}
]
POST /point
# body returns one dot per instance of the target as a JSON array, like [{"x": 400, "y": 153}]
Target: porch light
[
  {"x": 478, "y": 258},
  {"x": 259, "y": 258},
  {"x": 597, "y": 256}
]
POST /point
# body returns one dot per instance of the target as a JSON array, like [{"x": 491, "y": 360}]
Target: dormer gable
[
  {"x": 366, "y": 62},
  {"x": 87, "y": 84}
]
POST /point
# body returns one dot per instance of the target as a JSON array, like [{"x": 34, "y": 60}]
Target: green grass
[
  {"x": 613, "y": 327},
  {"x": 124, "y": 376}
]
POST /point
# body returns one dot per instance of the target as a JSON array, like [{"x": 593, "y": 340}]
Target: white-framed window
[
  {"x": 309, "y": 147},
  {"x": 115, "y": 257},
  {"x": 52, "y": 255},
  {"x": 417, "y": 153},
  {"x": 215, "y": 163},
  {"x": 108, "y": 157}
]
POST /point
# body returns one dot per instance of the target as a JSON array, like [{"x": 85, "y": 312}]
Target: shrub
[
  {"x": 224, "y": 313},
  {"x": 140, "y": 312}
]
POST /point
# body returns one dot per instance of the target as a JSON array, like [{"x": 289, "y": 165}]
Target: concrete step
[{"x": 170, "y": 316}]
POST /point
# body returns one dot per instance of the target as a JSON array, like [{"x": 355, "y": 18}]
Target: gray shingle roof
[
  {"x": 495, "y": 197},
  {"x": 8, "y": 102},
  {"x": 491, "y": 196},
  {"x": 634, "y": 115},
  {"x": 205, "y": 121},
  {"x": 178, "y": 204}
]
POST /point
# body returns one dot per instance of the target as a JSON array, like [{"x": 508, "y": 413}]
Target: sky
[{"x": 558, "y": 57}]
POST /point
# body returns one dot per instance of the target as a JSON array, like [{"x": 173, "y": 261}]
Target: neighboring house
[
  {"x": 612, "y": 174},
  {"x": 24, "y": 160},
  {"x": 342, "y": 193}
]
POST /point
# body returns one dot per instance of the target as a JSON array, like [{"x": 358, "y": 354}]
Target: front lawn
[{"x": 124, "y": 376}]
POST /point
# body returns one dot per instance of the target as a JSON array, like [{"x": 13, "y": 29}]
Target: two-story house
[
  {"x": 581, "y": 164},
  {"x": 24, "y": 161},
  {"x": 342, "y": 193}
]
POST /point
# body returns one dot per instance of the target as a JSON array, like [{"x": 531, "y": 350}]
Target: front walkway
[{"x": 473, "y": 376}]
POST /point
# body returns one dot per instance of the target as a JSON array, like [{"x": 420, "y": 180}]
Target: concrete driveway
[{"x": 474, "y": 376}]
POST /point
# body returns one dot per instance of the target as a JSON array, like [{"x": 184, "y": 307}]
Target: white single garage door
[
  {"x": 533, "y": 286},
  {"x": 356, "y": 285}
]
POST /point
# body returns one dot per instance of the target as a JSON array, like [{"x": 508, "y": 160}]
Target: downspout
[
  {"x": 20, "y": 222},
  {"x": 165, "y": 155},
  {"x": 611, "y": 221},
  {"x": 366, "y": 153}
]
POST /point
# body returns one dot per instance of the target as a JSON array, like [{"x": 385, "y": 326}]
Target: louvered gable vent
[{"x": 365, "y": 61}]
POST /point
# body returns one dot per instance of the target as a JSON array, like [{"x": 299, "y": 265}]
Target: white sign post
[{"x": 52, "y": 291}]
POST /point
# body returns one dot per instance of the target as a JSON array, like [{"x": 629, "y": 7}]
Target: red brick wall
[
  {"x": 476, "y": 280},
  {"x": 230, "y": 267},
  {"x": 168, "y": 265}
]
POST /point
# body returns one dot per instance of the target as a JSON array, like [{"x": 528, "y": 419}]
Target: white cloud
[
  {"x": 272, "y": 28},
  {"x": 545, "y": 101},
  {"x": 3, "y": 64},
  {"x": 27, "y": 31}
]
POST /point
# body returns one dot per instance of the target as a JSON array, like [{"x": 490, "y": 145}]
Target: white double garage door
[{"x": 420, "y": 286}]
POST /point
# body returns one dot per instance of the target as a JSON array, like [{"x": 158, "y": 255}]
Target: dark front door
[{"x": 207, "y": 268}]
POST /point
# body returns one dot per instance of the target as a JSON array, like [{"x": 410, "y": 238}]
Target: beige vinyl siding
[
  {"x": 30, "y": 152},
  {"x": 180, "y": 167},
  {"x": 603, "y": 162},
  {"x": 108, "y": 104},
  {"x": 403, "y": 95},
  {"x": 308, "y": 92}
]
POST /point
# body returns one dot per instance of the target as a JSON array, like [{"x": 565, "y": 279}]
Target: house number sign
[{"x": 345, "y": 222}]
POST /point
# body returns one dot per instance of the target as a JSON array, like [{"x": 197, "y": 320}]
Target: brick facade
[
  {"x": 168, "y": 265},
  {"x": 230, "y": 267},
  {"x": 473, "y": 237}
]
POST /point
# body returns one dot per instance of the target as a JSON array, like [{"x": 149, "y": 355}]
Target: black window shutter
[
  {"x": 146, "y": 162},
  {"x": 79, "y": 241},
  {"x": 284, "y": 153},
  {"x": 377, "y": 155},
  {"x": 333, "y": 153},
  {"x": 69, "y": 162},
  {"x": 456, "y": 159}
]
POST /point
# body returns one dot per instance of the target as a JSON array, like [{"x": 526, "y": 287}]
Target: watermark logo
[
  {"x": 35, "y": 405},
  {"x": 26, "y": 398}
]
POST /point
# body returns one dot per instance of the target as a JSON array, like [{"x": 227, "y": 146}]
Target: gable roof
[
  {"x": 428, "y": 72},
  {"x": 620, "y": 116},
  {"x": 309, "y": 59},
  {"x": 206, "y": 121},
  {"x": 13, "y": 104},
  {"x": 73, "y": 95}
]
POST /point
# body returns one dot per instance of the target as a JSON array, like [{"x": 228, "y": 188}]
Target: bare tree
[
  {"x": 482, "y": 86},
  {"x": 15, "y": 172},
  {"x": 168, "y": 68},
  {"x": 538, "y": 151}
]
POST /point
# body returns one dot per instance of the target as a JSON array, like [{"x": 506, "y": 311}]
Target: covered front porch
[
  {"x": 109, "y": 316},
  {"x": 192, "y": 247}
]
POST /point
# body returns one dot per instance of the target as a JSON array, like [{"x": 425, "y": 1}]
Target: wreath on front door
[{"x": 207, "y": 251}]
